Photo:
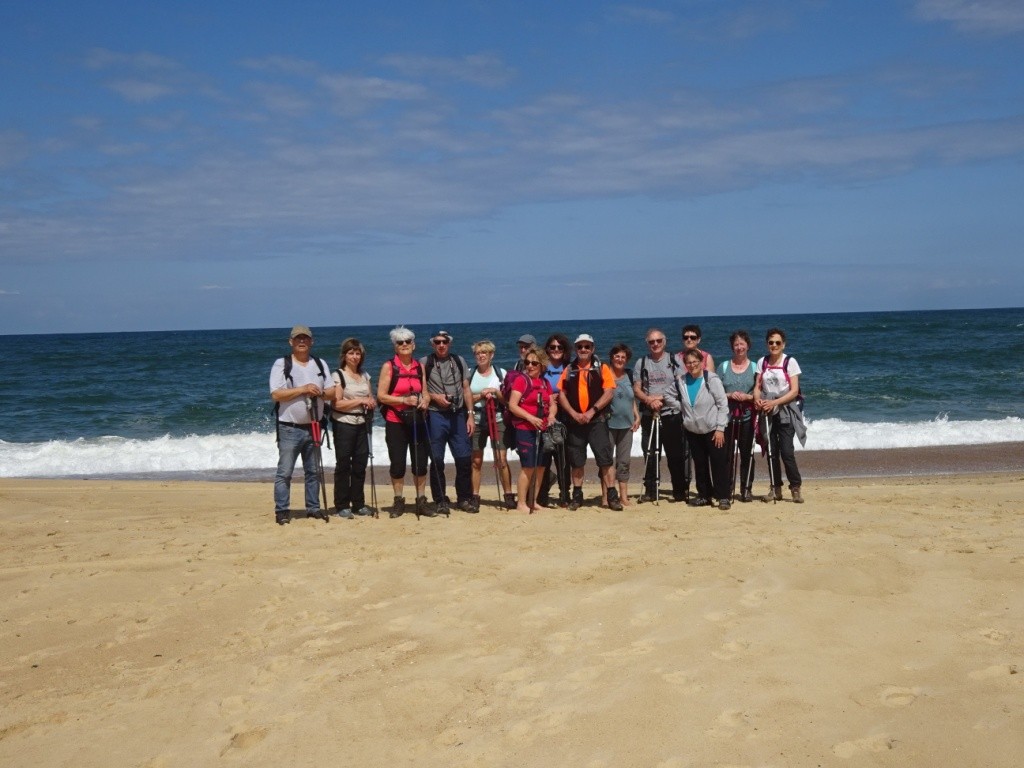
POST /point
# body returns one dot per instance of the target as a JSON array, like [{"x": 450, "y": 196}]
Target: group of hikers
[{"x": 550, "y": 408}]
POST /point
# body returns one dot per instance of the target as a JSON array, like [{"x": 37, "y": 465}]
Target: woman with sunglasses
[
  {"x": 557, "y": 349},
  {"x": 533, "y": 407},
  {"x": 691, "y": 340},
  {"x": 400, "y": 391},
  {"x": 777, "y": 399},
  {"x": 705, "y": 410}
]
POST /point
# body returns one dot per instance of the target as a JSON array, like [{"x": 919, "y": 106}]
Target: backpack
[
  {"x": 432, "y": 361},
  {"x": 501, "y": 373},
  {"x": 341, "y": 385},
  {"x": 276, "y": 410},
  {"x": 573, "y": 369},
  {"x": 799, "y": 401},
  {"x": 396, "y": 374}
]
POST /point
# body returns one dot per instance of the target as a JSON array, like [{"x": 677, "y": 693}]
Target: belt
[{"x": 293, "y": 424}]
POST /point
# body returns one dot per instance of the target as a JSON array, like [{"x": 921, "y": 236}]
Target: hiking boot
[
  {"x": 475, "y": 501},
  {"x": 724, "y": 504},
  {"x": 510, "y": 501},
  {"x": 423, "y": 509},
  {"x": 776, "y": 493},
  {"x": 797, "y": 498},
  {"x": 746, "y": 496},
  {"x": 443, "y": 507},
  {"x": 398, "y": 508},
  {"x": 466, "y": 505},
  {"x": 319, "y": 514},
  {"x": 282, "y": 518},
  {"x": 615, "y": 504},
  {"x": 576, "y": 502}
]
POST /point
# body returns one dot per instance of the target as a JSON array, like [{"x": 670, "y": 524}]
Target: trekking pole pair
[
  {"x": 368, "y": 415},
  {"x": 492, "y": 431},
  {"x": 654, "y": 441},
  {"x": 318, "y": 459}
]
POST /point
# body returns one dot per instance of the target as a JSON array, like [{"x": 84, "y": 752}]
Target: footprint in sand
[
  {"x": 995, "y": 671},
  {"x": 686, "y": 681},
  {"x": 879, "y": 743},
  {"x": 728, "y": 722},
  {"x": 731, "y": 650},
  {"x": 243, "y": 740},
  {"x": 678, "y": 595},
  {"x": 893, "y": 696},
  {"x": 994, "y": 636}
]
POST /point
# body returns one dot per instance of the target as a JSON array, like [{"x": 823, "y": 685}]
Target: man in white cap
[
  {"x": 298, "y": 386},
  {"x": 586, "y": 390},
  {"x": 449, "y": 422}
]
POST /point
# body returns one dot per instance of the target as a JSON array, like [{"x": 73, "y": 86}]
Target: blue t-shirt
[{"x": 622, "y": 405}]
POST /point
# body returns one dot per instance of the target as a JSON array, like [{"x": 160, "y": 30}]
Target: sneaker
[
  {"x": 363, "y": 512},
  {"x": 398, "y": 508},
  {"x": 510, "y": 501},
  {"x": 724, "y": 504},
  {"x": 699, "y": 501},
  {"x": 282, "y": 518},
  {"x": 422, "y": 508},
  {"x": 343, "y": 512},
  {"x": 615, "y": 504},
  {"x": 746, "y": 496}
]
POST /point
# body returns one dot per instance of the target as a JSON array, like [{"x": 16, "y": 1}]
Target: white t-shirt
[
  {"x": 479, "y": 383},
  {"x": 773, "y": 378},
  {"x": 294, "y": 410}
]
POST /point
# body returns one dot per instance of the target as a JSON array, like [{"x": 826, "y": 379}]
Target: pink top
[{"x": 405, "y": 380}]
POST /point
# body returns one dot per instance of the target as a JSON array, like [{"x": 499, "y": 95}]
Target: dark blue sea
[{"x": 119, "y": 404}]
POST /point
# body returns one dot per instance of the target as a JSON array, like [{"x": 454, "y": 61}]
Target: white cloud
[
  {"x": 997, "y": 17},
  {"x": 481, "y": 69}
]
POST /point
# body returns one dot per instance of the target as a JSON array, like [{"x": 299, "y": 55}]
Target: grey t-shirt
[
  {"x": 657, "y": 378},
  {"x": 444, "y": 379}
]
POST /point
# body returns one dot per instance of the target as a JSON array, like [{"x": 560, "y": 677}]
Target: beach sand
[{"x": 155, "y": 623}]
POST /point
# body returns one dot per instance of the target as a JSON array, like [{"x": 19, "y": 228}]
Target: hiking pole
[
  {"x": 734, "y": 465},
  {"x": 647, "y": 451},
  {"x": 491, "y": 410},
  {"x": 415, "y": 463},
  {"x": 687, "y": 463},
  {"x": 768, "y": 443},
  {"x": 531, "y": 497},
  {"x": 368, "y": 415},
  {"x": 318, "y": 459},
  {"x": 656, "y": 431}
]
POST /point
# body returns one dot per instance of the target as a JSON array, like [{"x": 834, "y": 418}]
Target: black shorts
[{"x": 595, "y": 434}]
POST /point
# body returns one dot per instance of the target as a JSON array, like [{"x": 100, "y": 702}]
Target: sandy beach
[{"x": 151, "y": 623}]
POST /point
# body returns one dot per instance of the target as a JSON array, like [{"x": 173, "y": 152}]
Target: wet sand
[{"x": 172, "y": 623}]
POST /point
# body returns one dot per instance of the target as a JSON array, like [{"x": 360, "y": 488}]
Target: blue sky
[{"x": 222, "y": 164}]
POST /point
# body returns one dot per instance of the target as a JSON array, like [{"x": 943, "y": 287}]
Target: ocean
[{"x": 196, "y": 403}]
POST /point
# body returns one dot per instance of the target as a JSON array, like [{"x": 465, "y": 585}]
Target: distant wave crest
[{"x": 257, "y": 451}]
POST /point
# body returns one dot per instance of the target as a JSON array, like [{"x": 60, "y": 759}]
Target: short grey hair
[{"x": 401, "y": 333}]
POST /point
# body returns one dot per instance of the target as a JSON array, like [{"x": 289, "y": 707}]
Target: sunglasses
[
  {"x": 555, "y": 346},
  {"x": 440, "y": 342},
  {"x": 403, "y": 342},
  {"x": 584, "y": 347},
  {"x": 690, "y": 337},
  {"x": 531, "y": 363},
  {"x": 655, "y": 341},
  {"x": 774, "y": 343}
]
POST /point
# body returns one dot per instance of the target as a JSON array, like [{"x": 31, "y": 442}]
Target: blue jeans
[
  {"x": 448, "y": 429},
  {"x": 293, "y": 442}
]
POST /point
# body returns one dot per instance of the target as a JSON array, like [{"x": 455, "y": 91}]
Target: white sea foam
[{"x": 257, "y": 451}]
